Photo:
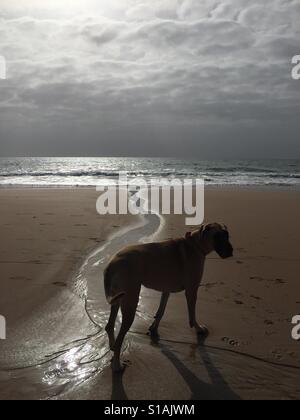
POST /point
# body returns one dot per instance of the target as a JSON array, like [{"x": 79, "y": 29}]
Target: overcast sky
[{"x": 205, "y": 78}]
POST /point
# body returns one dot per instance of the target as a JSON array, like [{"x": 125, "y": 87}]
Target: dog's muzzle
[{"x": 225, "y": 251}]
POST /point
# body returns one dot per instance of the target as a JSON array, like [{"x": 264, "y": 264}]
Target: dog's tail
[{"x": 113, "y": 297}]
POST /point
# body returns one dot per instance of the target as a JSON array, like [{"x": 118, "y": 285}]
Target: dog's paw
[
  {"x": 153, "y": 330},
  {"x": 202, "y": 331},
  {"x": 154, "y": 335}
]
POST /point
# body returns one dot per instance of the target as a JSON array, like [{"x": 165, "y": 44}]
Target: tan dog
[{"x": 168, "y": 267}]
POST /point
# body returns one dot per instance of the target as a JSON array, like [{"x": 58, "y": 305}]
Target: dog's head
[{"x": 213, "y": 237}]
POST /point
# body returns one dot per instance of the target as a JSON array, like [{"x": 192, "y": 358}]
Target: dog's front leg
[
  {"x": 158, "y": 317},
  {"x": 191, "y": 297}
]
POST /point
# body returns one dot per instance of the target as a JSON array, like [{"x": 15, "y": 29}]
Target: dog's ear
[
  {"x": 188, "y": 235},
  {"x": 204, "y": 230}
]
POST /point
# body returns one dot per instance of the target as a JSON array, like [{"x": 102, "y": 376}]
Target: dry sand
[{"x": 247, "y": 303}]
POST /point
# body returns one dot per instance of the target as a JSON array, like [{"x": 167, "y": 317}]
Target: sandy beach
[{"x": 54, "y": 247}]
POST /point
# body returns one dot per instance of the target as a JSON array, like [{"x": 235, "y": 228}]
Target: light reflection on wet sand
[{"x": 77, "y": 362}]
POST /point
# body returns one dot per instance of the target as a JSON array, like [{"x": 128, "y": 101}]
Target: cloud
[{"x": 169, "y": 63}]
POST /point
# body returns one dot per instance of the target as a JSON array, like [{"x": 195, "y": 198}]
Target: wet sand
[
  {"x": 45, "y": 236},
  {"x": 55, "y": 336}
]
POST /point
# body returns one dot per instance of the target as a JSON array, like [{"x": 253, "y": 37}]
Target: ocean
[{"x": 60, "y": 172}]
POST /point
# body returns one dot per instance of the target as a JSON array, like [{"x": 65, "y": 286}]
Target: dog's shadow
[{"x": 219, "y": 389}]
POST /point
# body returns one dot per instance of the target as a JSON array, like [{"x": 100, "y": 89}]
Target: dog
[{"x": 169, "y": 267}]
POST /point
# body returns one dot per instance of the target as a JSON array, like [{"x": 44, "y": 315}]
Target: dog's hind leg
[
  {"x": 129, "y": 305},
  {"x": 158, "y": 317},
  {"x": 110, "y": 327}
]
